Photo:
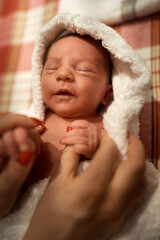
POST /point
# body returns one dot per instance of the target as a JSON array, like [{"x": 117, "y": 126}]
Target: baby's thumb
[
  {"x": 12, "y": 178},
  {"x": 68, "y": 162}
]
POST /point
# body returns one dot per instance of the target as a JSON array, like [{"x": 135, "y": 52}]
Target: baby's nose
[{"x": 65, "y": 74}]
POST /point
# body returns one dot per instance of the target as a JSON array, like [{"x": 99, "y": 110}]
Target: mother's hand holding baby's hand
[
  {"x": 94, "y": 203},
  {"x": 84, "y": 138},
  {"x": 16, "y": 157}
]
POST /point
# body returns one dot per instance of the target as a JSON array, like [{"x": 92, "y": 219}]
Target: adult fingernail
[
  {"x": 25, "y": 155},
  {"x": 40, "y": 123},
  {"x": 69, "y": 128},
  {"x": 36, "y": 120}
]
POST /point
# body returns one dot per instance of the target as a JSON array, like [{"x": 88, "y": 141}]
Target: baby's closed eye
[
  {"x": 51, "y": 68},
  {"x": 84, "y": 68}
]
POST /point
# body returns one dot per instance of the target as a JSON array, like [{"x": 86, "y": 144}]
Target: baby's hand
[{"x": 84, "y": 137}]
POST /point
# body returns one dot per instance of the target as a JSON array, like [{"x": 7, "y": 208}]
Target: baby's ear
[{"x": 107, "y": 95}]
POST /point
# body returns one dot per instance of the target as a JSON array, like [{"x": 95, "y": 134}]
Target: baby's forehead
[
  {"x": 65, "y": 36},
  {"x": 86, "y": 38}
]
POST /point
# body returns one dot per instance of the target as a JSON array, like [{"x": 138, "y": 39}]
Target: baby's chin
[
  {"x": 72, "y": 112},
  {"x": 74, "y": 115}
]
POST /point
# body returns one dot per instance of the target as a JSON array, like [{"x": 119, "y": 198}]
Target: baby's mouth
[{"x": 64, "y": 92}]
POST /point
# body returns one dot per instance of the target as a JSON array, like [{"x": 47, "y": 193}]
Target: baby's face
[{"x": 75, "y": 77}]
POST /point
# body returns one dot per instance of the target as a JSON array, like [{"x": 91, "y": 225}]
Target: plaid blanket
[
  {"x": 144, "y": 36},
  {"x": 19, "y": 22}
]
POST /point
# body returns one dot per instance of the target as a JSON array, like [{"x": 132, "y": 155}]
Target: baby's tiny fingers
[
  {"x": 77, "y": 132},
  {"x": 82, "y": 149},
  {"x": 72, "y": 140},
  {"x": 79, "y": 124}
]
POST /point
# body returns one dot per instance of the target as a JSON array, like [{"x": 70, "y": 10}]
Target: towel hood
[{"x": 130, "y": 75}]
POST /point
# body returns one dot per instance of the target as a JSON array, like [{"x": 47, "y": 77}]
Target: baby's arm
[{"x": 84, "y": 136}]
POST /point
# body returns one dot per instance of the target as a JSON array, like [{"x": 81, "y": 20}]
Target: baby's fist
[{"x": 84, "y": 136}]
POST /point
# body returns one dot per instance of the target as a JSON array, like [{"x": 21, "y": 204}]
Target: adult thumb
[
  {"x": 68, "y": 163},
  {"x": 10, "y": 121}
]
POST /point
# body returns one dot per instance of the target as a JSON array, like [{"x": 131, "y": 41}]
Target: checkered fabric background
[{"x": 19, "y": 22}]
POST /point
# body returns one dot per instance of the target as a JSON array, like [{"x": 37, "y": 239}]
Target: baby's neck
[{"x": 50, "y": 117}]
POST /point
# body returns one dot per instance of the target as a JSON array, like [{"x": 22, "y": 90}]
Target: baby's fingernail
[
  {"x": 40, "y": 123},
  {"x": 25, "y": 155},
  {"x": 69, "y": 128}
]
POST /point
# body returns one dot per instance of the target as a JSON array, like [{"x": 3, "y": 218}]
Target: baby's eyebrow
[
  {"x": 87, "y": 61},
  {"x": 74, "y": 60},
  {"x": 55, "y": 59}
]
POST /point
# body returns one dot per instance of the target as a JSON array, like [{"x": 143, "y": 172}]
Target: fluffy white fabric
[
  {"x": 143, "y": 223},
  {"x": 131, "y": 81},
  {"x": 14, "y": 226},
  {"x": 110, "y": 12},
  {"x": 130, "y": 78}
]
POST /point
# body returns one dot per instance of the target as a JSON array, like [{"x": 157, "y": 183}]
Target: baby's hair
[
  {"x": 62, "y": 35},
  {"x": 88, "y": 37}
]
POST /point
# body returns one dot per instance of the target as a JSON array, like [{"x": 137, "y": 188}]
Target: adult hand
[
  {"x": 95, "y": 203},
  {"x": 17, "y": 150}
]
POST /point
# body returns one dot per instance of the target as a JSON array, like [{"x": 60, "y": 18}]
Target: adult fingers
[
  {"x": 40, "y": 129},
  {"x": 127, "y": 175},
  {"x": 104, "y": 161},
  {"x": 83, "y": 149},
  {"x": 35, "y": 136},
  {"x": 15, "y": 171},
  {"x": 3, "y": 154},
  {"x": 21, "y": 162},
  {"x": 131, "y": 170},
  {"x": 68, "y": 163},
  {"x": 11, "y": 179},
  {"x": 124, "y": 206},
  {"x": 9, "y": 143},
  {"x": 135, "y": 195},
  {"x": 12, "y": 120},
  {"x": 22, "y": 138}
]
